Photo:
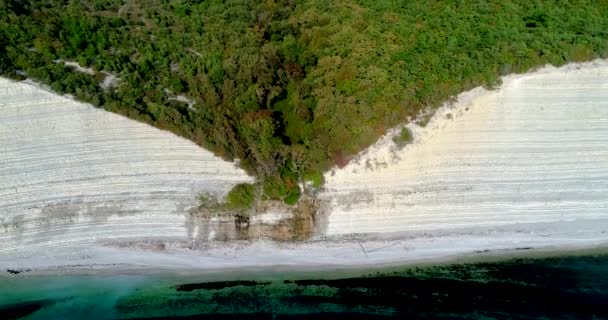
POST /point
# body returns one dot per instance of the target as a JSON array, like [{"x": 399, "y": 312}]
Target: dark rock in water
[
  {"x": 217, "y": 285},
  {"x": 230, "y": 316},
  {"x": 20, "y": 310},
  {"x": 482, "y": 251},
  {"x": 17, "y": 271},
  {"x": 553, "y": 288},
  {"x": 271, "y": 316}
]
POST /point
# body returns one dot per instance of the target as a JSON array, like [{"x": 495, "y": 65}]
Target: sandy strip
[{"x": 520, "y": 168}]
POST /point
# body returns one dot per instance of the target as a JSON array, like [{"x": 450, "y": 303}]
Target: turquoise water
[
  {"x": 550, "y": 288},
  {"x": 71, "y": 297}
]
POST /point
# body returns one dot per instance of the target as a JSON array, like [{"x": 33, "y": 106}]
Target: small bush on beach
[
  {"x": 293, "y": 196},
  {"x": 404, "y": 137},
  {"x": 207, "y": 200},
  {"x": 315, "y": 178},
  {"x": 241, "y": 196}
]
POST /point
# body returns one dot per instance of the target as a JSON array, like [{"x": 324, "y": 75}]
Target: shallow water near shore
[{"x": 568, "y": 287}]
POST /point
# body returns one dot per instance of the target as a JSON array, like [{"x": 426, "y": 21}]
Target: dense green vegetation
[
  {"x": 404, "y": 137},
  {"x": 241, "y": 196},
  {"x": 288, "y": 87}
]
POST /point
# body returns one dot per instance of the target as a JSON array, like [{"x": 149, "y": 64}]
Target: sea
[{"x": 557, "y": 287}]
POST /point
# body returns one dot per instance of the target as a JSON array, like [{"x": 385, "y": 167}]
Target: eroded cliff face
[
  {"x": 75, "y": 175},
  {"x": 269, "y": 220},
  {"x": 522, "y": 166},
  {"x": 529, "y": 153},
  {"x": 534, "y": 151}
]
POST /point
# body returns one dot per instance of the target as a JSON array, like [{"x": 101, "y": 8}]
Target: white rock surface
[
  {"x": 74, "y": 175},
  {"x": 532, "y": 153}
]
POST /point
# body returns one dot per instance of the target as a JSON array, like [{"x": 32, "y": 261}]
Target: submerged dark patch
[
  {"x": 216, "y": 285},
  {"x": 20, "y": 310},
  {"x": 17, "y": 271},
  {"x": 556, "y": 288},
  {"x": 250, "y": 316}
]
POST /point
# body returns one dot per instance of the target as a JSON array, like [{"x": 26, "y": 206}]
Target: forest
[{"x": 290, "y": 88}]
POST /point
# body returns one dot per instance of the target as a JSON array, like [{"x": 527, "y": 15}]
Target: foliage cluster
[
  {"x": 404, "y": 137},
  {"x": 241, "y": 196},
  {"x": 315, "y": 178},
  {"x": 292, "y": 86}
]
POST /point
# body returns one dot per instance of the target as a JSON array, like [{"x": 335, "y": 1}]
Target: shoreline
[
  {"x": 304, "y": 272},
  {"x": 200, "y": 265}
]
